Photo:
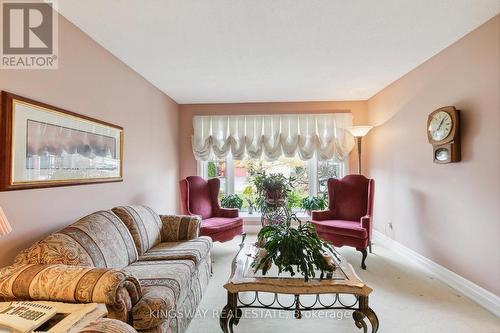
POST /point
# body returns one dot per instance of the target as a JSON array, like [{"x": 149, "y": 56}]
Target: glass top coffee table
[{"x": 245, "y": 289}]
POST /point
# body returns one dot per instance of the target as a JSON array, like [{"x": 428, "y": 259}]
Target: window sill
[{"x": 255, "y": 217}]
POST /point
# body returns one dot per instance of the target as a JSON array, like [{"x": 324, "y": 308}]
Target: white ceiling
[{"x": 207, "y": 51}]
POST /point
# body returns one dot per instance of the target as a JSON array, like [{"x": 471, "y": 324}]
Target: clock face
[{"x": 440, "y": 126}]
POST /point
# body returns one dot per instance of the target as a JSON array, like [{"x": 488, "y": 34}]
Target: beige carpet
[{"x": 405, "y": 298}]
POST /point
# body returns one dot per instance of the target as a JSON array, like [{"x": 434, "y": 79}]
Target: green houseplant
[
  {"x": 313, "y": 203},
  {"x": 231, "y": 201},
  {"x": 251, "y": 205},
  {"x": 293, "y": 250},
  {"x": 294, "y": 200},
  {"x": 249, "y": 196}
]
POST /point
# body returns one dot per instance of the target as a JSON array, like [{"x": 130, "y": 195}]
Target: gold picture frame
[{"x": 46, "y": 146}]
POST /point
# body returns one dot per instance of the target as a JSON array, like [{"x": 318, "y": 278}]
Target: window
[
  {"x": 217, "y": 169},
  {"x": 289, "y": 167},
  {"x": 328, "y": 169},
  {"x": 236, "y": 175}
]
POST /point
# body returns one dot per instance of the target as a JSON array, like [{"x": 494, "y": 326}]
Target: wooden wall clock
[{"x": 443, "y": 132}]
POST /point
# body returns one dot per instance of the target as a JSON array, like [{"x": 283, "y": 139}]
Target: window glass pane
[
  {"x": 217, "y": 169},
  {"x": 328, "y": 169},
  {"x": 242, "y": 171},
  {"x": 294, "y": 167}
]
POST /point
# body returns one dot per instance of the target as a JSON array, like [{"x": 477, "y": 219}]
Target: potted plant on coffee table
[{"x": 293, "y": 250}]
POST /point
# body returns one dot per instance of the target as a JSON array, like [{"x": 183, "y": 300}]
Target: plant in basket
[{"x": 272, "y": 189}]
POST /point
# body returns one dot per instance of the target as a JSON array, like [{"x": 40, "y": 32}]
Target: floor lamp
[{"x": 359, "y": 132}]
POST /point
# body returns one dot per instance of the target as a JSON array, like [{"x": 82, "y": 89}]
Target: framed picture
[{"x": 44, "y": 146}]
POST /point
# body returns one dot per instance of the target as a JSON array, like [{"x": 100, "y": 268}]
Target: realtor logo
[{"x": 29, "y": 35}]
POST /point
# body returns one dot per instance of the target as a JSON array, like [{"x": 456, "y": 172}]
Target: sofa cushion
[
  {"x": 176, "y": 275},
  {"x": 144, "y": 225},
  {"x": 218, "y": 224},
  {"x": 341, "y": 227},
  {"x": 180, "y": 227},
  {"x": 57, "y": 248},
  {"x": 195, "y": 250},
  {"x": 99, "y": 239}
]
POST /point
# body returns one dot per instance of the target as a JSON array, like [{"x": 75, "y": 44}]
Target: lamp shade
[
  {"x": 359, "y": 131},
  {"x": 5, "y": 227}
]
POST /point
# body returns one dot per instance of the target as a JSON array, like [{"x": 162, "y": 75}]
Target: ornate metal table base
[
  {"x": 232, "y": 313},
  {"x": 365, "y": 311},
  {"x": 327, "y": 294}
]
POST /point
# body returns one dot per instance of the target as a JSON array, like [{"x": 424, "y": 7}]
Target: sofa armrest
[
  {"x": 106, "y": 325},
  {"x": 322, "y": 215},
  {"x": 154, "y": 310},
  {"x": 228, "y": 212},
  {"x": 74, "y": 284},
  {"x": 180, "y": 227}
]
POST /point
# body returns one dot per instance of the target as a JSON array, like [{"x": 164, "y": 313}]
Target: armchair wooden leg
[
  {"x": 370, "y": 246},
  {"x": 364, "y": 253}
]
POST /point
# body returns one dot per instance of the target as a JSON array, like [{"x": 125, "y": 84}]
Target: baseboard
[{"x": 483, "y": 297}]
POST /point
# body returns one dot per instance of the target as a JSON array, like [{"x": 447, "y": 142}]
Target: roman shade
[{"x": 303, "y": 135}]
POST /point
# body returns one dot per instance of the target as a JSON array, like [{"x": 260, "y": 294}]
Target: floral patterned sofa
[
  {"x": 105, "y": 325},
  {"x": 149, "y": 270}
]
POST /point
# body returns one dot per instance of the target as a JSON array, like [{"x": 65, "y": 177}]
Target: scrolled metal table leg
[
  {"x": 226, "y": 320},
  {"x": 372, "y": 317},
  {"x": 230, "y": 314},
  {"x": 365, "y": 311},
  {"x": 238, "y": 316},
  {"x": 359, "y": 320}
]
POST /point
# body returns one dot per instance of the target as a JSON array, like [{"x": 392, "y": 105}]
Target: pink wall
[
  {"x": 93, "y": 82},
  {"x": 448, "y": 213},
  {"x": 187, "y": 111}
]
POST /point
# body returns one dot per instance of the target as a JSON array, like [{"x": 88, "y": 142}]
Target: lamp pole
[{"x": 358, "y": 139}]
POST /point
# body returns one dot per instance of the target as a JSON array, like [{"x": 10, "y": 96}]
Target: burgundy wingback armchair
[
  {"x": 348, "y": 220},
  {"x": 200, "y": 197}
]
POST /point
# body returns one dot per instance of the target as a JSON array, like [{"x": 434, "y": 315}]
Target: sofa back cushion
[
  {"x": 143, "y": 223},
  {"x": 99, "y": 239}
]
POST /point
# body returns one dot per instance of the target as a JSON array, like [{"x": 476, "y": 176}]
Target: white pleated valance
[{"x": 325, "y": 135}]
